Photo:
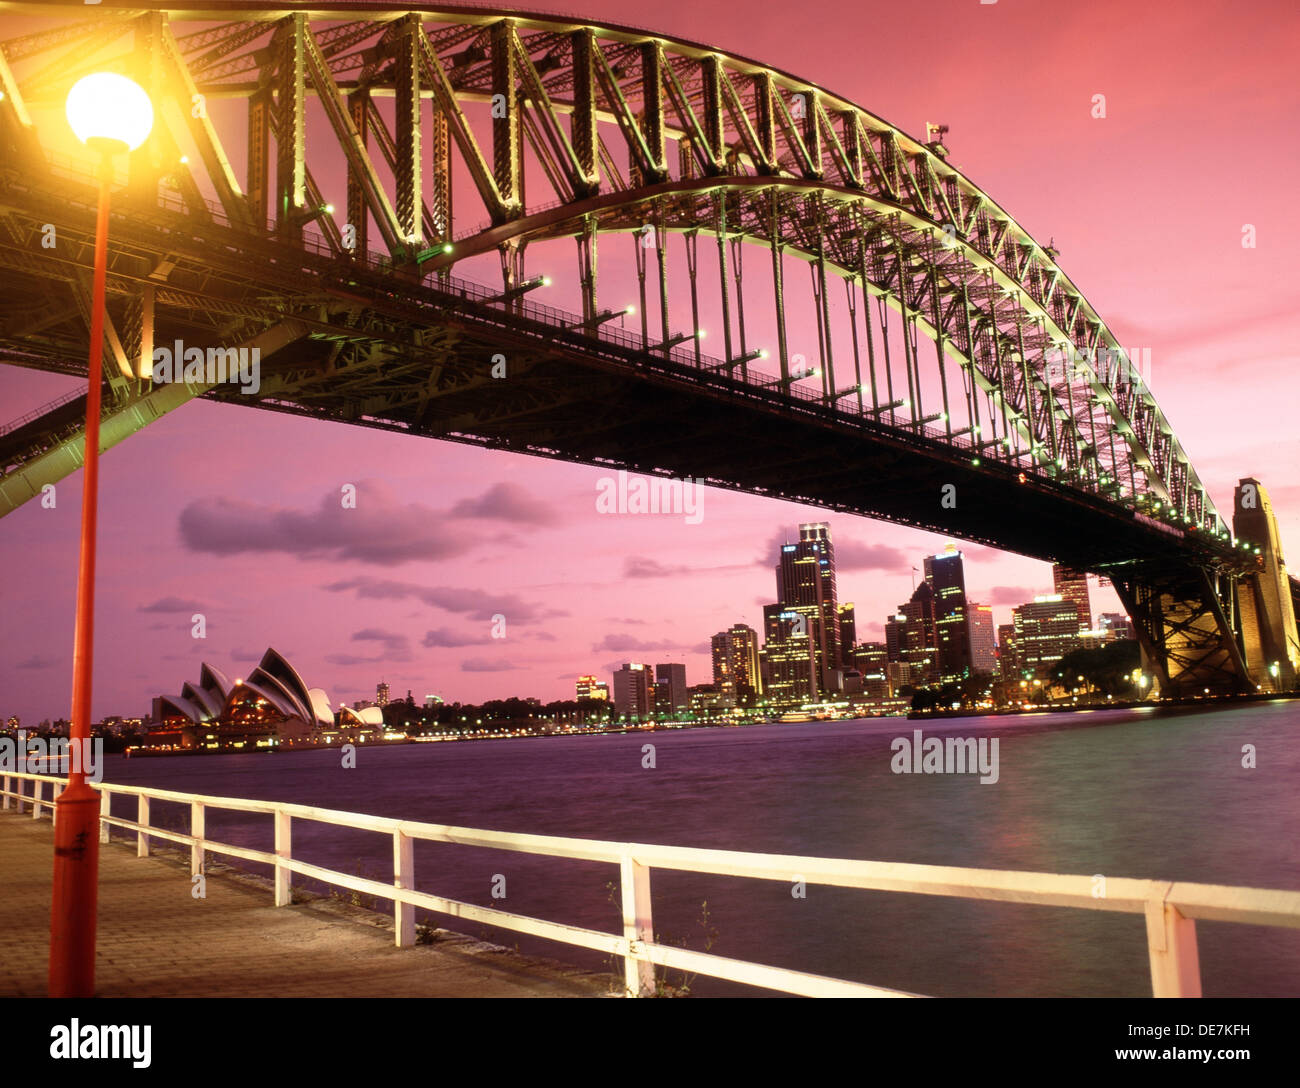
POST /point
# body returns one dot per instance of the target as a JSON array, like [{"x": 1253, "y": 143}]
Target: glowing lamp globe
[{"x": 110, "y": 111}]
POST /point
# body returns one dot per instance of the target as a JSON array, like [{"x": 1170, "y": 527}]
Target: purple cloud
[
  {"x": 172, "y": 604},
  {"x": 442, "y": 637},
  {"x": 473, "y": 603},
  {"x": 621, "y": 643},
  {"x": 506, "y": 502},
  {"x": 379, "y": 530},
  {"x": 481, "y": 664}
]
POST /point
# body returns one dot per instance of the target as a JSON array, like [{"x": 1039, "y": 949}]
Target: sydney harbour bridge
[{"x": 380, "y": 198}]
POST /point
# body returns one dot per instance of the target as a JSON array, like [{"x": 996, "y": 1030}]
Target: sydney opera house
[{"x": 270, "y": 708}]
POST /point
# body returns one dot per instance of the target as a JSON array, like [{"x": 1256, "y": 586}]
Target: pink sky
[{"x": 1146, "y": 206}]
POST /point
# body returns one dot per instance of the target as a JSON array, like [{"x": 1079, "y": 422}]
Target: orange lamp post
[{"x": 109, "y": 114}]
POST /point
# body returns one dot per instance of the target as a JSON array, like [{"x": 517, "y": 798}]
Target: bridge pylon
[
  {"x": 1185, "y": 620},
  {"x": 1267, "y": 616}
]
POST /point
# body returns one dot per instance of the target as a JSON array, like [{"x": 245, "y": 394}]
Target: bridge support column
[
  {"x": 1267, "y": 611},
  {"x": 1182, "y": 621}
]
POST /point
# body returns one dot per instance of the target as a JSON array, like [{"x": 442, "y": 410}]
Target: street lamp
[{"x": 109, "y": 114}]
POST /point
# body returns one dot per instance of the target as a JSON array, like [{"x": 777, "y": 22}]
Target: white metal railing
[{"x": 1171, "y": 909}]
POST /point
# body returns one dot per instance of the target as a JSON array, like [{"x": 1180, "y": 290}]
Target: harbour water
[{"x": 1137, "y": 793}]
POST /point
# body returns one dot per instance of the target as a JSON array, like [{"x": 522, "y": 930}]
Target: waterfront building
[
  {"x": 790, "y": 644},
  {"x": 706, "y": 700},
  {"x": 1046, "y": 630},
  {"x": 272, "y": 708},
  {"x": 633, "y": 691},
  {"x": 670, "y": 688},
  {"x": 736, "y": 665},
  {"x": 872, "y": 659},
  {"x": 588, "y": 687}
]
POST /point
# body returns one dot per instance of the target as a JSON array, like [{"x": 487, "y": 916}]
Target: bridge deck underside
[{"x": 644, "y": 415}]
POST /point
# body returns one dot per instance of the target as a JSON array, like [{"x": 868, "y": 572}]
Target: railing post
[
  {"x": 197, "y": 833},
  {"x": 4, "y": 800},
  {"x": 105, "y": 811},
  {"x": 283, "y": 850},
  {"x": 403, "y": 877},
  {"x": 1171, "y": 943},
  {"x": 38, "y": 790},
  {"x": 142, "y": 818},
  {"x": 638, "y": 974}
]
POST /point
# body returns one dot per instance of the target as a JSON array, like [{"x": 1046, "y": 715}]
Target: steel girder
[{"x": 121, "y": 419}]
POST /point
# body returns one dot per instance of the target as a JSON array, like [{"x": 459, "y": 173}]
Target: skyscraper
[
  {"x": 736, "y": 663},
  {"x": 1072, "y": 585},
  {"x": 947, "y": 577},
  {"x": 673, "y": 678},
  {"x": 910, "y": 638},
  {"x": 1008, "y": 662},
  {"x": 805, "y": 582},
  {"x": 848, "y": 632},
  {"x": 789, "y": 650},
  {"x": 632, "y": 691},
  {"x": 381, "y": 693},
  {"x": 720, "y": 652},
  {"x": 983, "y": 650}
]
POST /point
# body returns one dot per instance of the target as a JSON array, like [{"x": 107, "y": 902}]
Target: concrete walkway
[{"x": 156, "y": 940}]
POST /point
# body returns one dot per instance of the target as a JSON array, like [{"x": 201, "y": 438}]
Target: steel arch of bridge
[
  {"x": 761, "y": 156},
  {"x": 624, "y": 132}
]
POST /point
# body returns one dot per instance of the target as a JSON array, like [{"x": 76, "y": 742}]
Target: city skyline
[
  {"x": 441, "y": 538},
  {"x": 698, "y": 661}
]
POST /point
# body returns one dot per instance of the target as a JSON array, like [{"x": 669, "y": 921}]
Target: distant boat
[{"x": 807, "y": 716}]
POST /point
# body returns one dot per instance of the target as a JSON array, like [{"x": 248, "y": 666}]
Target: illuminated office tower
[
  {"x": 1046, "y": 631},
  {"x": 736, "y": 668},
  {"x": 947, "y": 577},
  {"x": 1073, "y": 586},
  {"x": 588, "y": 687},
  {"x": 805, "y": 579},
  {"x": 789, "y": 649}
]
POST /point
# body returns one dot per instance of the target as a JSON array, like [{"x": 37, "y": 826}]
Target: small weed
[{"x": 669, "y": 982}]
